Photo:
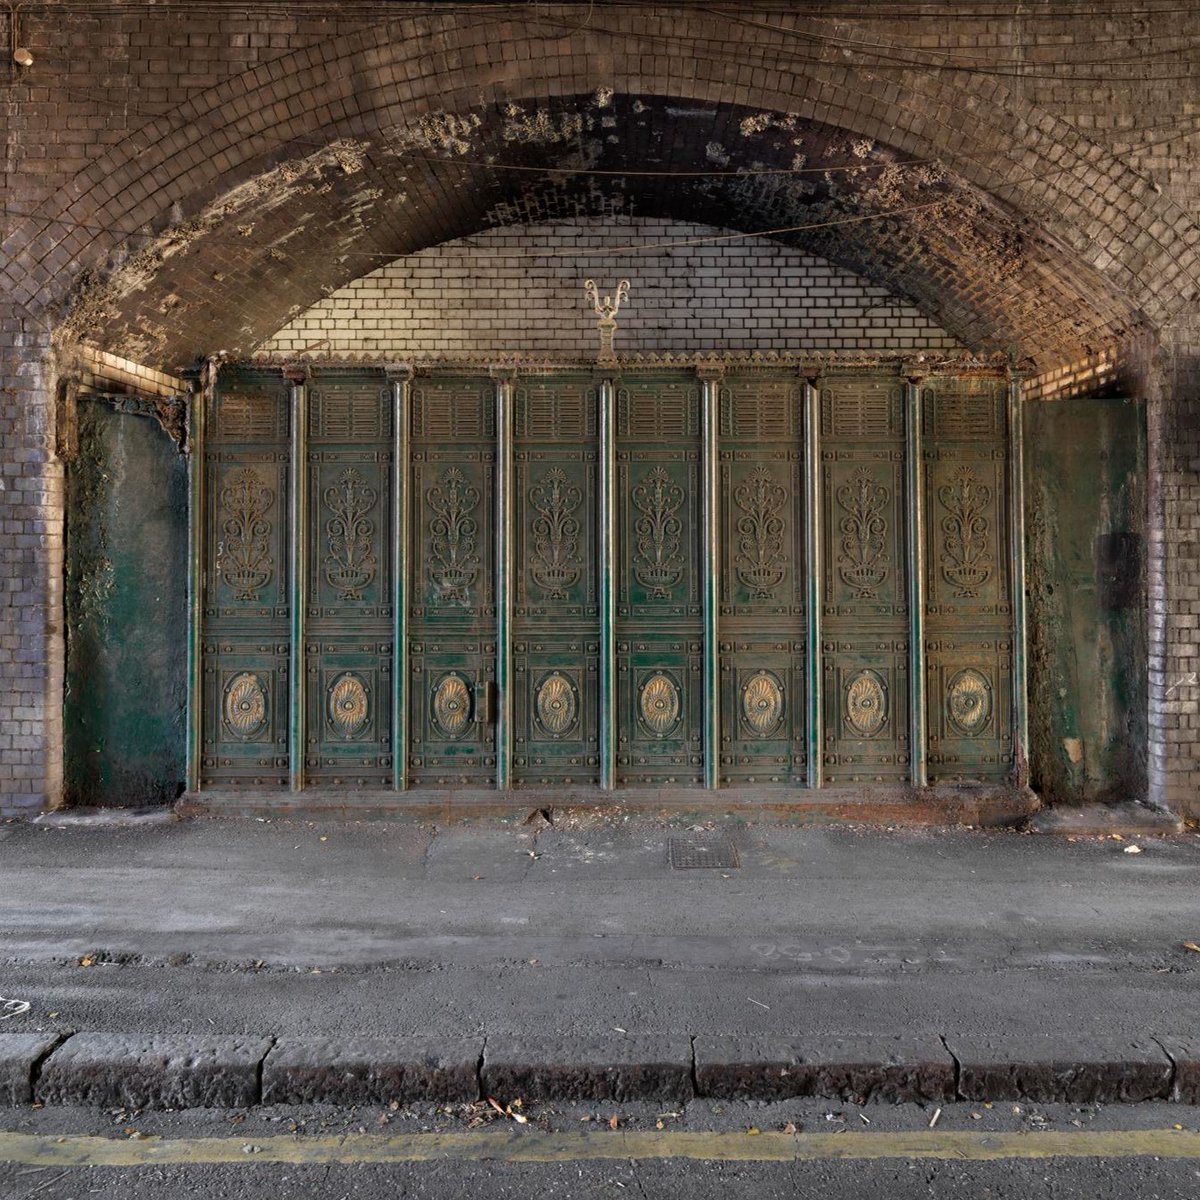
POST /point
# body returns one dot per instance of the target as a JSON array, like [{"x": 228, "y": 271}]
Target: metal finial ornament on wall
[{"x": 606, "y": 308}]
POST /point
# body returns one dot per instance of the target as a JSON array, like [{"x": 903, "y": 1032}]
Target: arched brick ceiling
[{"x": 281, "y": 185}]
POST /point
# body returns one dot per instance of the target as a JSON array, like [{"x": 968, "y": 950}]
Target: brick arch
[{"x": 1017, "y": 164}]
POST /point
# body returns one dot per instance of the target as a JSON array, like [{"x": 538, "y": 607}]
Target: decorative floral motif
[
  {"x": 966, "y": 563},
  {"x": 556, "y": 561},
  {"x": 557, "y": 707},
  {"x": 969, "y": 702},
  {"x": 348, "y": 706},
  {"x": 245, "y": 706},
  {"x": 244, "y": 557},
  {"x": 657, "y": 563},
  {"x": 453, "y": 535},
  {"x": 760, "y": 560},
  {"x": 452, "y": 706},
  {"x": 762, "y": 703},
  {"x": 862, "y": 563},
  {"x": 351, "y": 564},
  {"x": 866, "y": 704},
  {"x": 659, "y": 703}
]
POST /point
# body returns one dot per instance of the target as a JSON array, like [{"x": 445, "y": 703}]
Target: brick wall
[
  {"x": 31, "y": 569},
  {"x": 170, "y": 144},
  {"x": 521, "y": 290}
]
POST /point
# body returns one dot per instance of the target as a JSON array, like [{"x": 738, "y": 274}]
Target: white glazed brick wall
[{"x": 520, "y": 290}]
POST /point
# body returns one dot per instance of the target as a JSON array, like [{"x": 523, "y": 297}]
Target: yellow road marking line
[{"x": 536, "y": 1146}]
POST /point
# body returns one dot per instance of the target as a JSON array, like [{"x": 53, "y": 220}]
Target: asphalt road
[{"x": 837, "y": 1154}]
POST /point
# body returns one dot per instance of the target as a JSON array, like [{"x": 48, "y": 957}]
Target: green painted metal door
[
  {"x": 735, "y": 578},
  {"x": 452, "y": 611},
  {"x": 658, "y": 627},
  {"x": 762, "y": 581},
  {"x": 556, "y": 612},
  {"x": 349, "y": 593}
]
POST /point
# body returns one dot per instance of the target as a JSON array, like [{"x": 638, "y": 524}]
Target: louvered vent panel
[
  {"x": 453, "y": 412},
  {"x": 345, "y": 415},
  {"x": 251, "y": 417},
  {"x": 664, "y": 411},
  {"x": 555, "y": 413},
  {"x": 860, "y": 412}
]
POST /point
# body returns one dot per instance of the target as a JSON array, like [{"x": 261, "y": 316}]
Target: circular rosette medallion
[
  {"x": 348, "y": 710},
  {"x": 557, "y": 707},
  {"x": 245, "y": 706},
  {"x": 659, "y": 704},
  {"x": 762, "y": 703},
  {"x": 452, "y": 706},
  {"x": 866, "y": 704},
  {"x": 969, "y": 702}
]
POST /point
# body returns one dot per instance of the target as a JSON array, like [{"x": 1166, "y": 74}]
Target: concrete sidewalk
[{"x": 229, "y": 961}]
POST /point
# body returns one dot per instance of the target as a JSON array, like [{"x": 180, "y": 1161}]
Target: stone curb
[
  {"x": 615, "y": 1068},
  {"x": 856, "y": 1067},
  {"x": 370, "y": 1070},
  {"x": 1078, "y": 1070},
  {"x": 153, "y": 1071},
  {"x": 181, "y": 1071}
]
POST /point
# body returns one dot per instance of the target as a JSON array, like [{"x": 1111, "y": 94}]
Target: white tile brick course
[{"x": 521, "y": 291}]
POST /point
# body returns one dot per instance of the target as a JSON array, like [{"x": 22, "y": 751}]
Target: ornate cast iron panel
[
  {"x": 556, "y": 611},
  {"x": 452, "y": 617},
  {"x": 245, "y": 612},
  {"x": 658, "y": 619},
  {"x": 865, "y": 708},
  {"x": 762, "y": 579},
  {"x": 761, "y": 525},
  {"x": 348, "y": 648},
  {"x": 968, "y": 608},
  {"x": 864, "y": 589}
]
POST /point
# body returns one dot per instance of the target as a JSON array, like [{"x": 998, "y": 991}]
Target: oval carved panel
[
  {"x": 557, "y": 708},
  {"x": 452, "y": 706},
  {"x": 762, "y": 703},
  {"x": 245, "y": 707},
  {"x": 659, "y": 704},
  {"x": 349, "y": 710},
  {"x": 969, "y": 702},
  {"x": 866, "y": 704}
]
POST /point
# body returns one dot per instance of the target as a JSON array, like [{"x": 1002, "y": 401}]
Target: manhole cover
[{"x": 707, "y": 850}]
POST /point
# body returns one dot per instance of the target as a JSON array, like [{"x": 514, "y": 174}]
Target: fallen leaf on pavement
[
  {"x": 1191, "y": 946},
  {"x": 1133, "y": 849},
  {"x": 790, "y": 1127},
  {"x": 613, "y": 1121}
]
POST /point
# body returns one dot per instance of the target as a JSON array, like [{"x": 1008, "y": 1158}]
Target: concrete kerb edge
[{"x": 1110, "y": 1080}]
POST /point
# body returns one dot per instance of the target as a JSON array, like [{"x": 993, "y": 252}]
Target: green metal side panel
[
  {"x": 452, "y": 617},
  {"x": 1085, "y": 517},
  {"x": 245, "y": 621},
  {"x": 125, "y": 701},
  {"x": 864, "y": 590},
  {"x": 762, "y": 580},
  {"x": 555, "y": 701},
  {"x": 348, "y": 626},
  {"x": 968, "y": 612},
  {"x": 659, "y": 649}
]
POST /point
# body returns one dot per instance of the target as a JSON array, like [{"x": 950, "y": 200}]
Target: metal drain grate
[{"x": 713, "y": 850}]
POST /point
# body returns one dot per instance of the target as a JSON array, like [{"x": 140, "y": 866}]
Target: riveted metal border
[
  {"x": 710, "y": 508},
  {"x": 401, "y": 384},
  {"x": 606, "y": 538},
  {"x": 298, "y": 583},
  {"x": 201, "y": 398},
  {"x": 914, "y": 464},
  {"x": 505, "y": 576},
  {"x": 812, "y": 601},
  {"x": 1016, "y": 548}
]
